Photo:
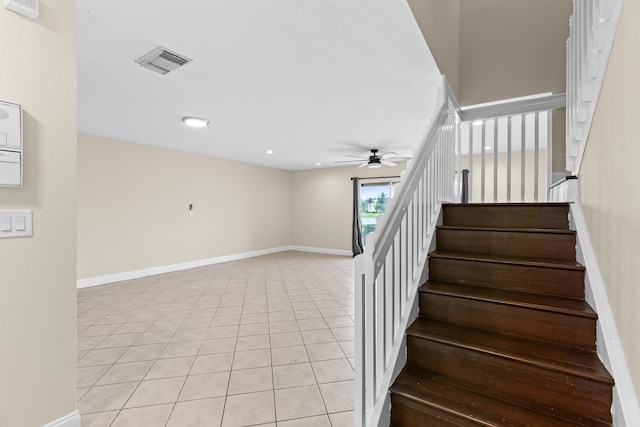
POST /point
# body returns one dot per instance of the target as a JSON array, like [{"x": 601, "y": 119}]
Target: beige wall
[
  {"x": 609, "y": 193},
  {"x": 515, "y": 48},
  {"x": 516, "y": 176},
  {"x": 511, "y": 48},
  {"x": 133, "y": 207},
  {"x": 38, "y": 274},
  {"x": 321, "y": 205},
  {"x": 439, "y": 21},
  {"x": 499, "y": 49}
]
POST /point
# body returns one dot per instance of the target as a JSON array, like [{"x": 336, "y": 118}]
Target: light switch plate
[{"x": 20, "y": 223}]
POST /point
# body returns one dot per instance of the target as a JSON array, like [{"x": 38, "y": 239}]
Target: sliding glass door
[{"x": 374, "y": 194}]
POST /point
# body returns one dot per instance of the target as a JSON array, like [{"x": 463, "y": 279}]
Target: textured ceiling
[{"x": 310, "y": 80}]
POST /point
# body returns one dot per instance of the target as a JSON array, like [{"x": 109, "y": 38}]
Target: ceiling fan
[{"x": 375, "y": 160}]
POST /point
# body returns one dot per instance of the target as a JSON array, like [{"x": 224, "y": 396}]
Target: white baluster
[
  {"x": 509, "y": 158},
  {"x": 523, "y": 149},
  {"x": 536, "y": 153}
]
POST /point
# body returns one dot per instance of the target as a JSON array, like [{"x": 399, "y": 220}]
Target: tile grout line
[{"x": 279, "y": 286}]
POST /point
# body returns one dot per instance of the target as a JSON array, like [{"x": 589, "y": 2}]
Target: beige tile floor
[{"x": 266, "y": 341}]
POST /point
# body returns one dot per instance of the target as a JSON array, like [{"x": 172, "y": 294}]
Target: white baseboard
[
  {"x": 136, "y": 274},
  {"x": 322, "y": 250},
  {"x": 625, "y": 409},
  {"x": 70, "y": 420}
]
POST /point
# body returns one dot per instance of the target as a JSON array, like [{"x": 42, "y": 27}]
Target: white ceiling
[{"x": 310, "y": 80}]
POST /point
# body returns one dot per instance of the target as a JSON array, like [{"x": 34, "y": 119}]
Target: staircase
[{"x": 504, "y": 336}]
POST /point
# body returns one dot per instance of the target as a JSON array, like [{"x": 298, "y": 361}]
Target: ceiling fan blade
[
  {"x": 388, "y": 163},
  {"x": 398, "y": 158},
  {"x": 350, "y": 161},
  {"x": 387, "y": 155},
  {"x": 357, "y": 157},
  {"x": 363, "y": 165}
]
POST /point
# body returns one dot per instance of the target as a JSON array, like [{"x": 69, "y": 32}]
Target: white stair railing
[
  {"x": 389, "y": 272},
  {"x": 593, "y": 27},
  {"x": 506, "y": 146}
]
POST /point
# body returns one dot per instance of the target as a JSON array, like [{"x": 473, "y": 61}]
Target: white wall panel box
[{"x": 11, "y": 150}]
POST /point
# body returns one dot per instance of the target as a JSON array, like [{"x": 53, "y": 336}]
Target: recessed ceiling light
[
  {"x": 269, "y": 151},
  {"x": 195, "y": 122},
  {"x": 318, "y": 164}
]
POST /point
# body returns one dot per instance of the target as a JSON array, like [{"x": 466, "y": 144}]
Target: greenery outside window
[{"x": 374, "y": 194}]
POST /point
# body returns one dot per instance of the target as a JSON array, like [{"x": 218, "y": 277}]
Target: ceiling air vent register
[
  {"x": 162, "y": 60},
  {"x": 28, "y": 8}
]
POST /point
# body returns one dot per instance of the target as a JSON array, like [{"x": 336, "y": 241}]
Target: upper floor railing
[
  {"x": 593, "y": 27},
  {"x": 506, "y": 148}
]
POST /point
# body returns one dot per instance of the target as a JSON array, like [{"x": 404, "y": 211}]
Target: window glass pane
[{"x": 373, "y": 202}]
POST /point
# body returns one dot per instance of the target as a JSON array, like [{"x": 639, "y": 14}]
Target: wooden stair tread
[
  {"x": 573, "y": 361},
  {"x": 534, "y": 262},
  {"x": 521, "y": 242},
  {"x": 430, "y": 390},
  {"x": 571, "y": 306},
  {"x": 546, "y": 278},
  {"x": 505, "y": 204},
  {"x": 524, "y": 215},
  {"x": 507, "y": 229}
]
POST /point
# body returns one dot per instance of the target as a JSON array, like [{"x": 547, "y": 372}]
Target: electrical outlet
[
  {"x": 215, "y": 250},
  {"x": 306, "y": 242}
]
